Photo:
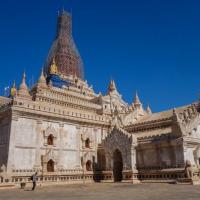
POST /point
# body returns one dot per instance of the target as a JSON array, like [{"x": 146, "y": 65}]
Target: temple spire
[
  {"x": 23, "y": 89},
  {"x": 137, "y": 100},
  {"x": 23, "y": 84},
  {"x": 63, "y": 51},
  {"x": 148, "y": 110},
  {"x": 112, "y": 86},
  {"x": 64, "y": 25},
  {"x": 42, "y": 80}
]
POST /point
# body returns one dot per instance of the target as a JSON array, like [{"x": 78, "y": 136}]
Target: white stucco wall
[
  {"x": 24, "y": 131},
  {"x": 70, "y": 136},
  {"x": 28, "y": 143},
  {"x": 69, "y": 160},
  {"x": 24, "y": 158}
]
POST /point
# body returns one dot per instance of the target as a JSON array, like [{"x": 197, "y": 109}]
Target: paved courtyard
[{"x": 112, "y": 191}]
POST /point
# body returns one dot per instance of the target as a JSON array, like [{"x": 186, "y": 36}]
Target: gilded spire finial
[
  {"x": 53, "y": 67},
  {"x": 13, "y": 90}
]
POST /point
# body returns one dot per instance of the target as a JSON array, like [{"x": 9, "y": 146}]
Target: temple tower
[{"x": 63, "y": 51}]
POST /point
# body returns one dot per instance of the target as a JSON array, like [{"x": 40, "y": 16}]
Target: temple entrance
[{"x": 117, "y": 166}]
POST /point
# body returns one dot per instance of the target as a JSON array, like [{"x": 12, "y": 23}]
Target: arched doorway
[
  {"x": 117, "y": 165},
  {"x": 50, "y": 166}
]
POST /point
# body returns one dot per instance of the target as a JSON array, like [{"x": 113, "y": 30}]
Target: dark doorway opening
[{"x": 117, "y": 166}]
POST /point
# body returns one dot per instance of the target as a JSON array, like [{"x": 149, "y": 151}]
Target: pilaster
[
  {"x": 78, "y": 145},
  {"x": 37, "y": 144},
  {"x": 61, "y": 145}
]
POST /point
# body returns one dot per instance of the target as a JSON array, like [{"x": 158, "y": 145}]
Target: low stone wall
[
  {"x": 49, "y": 179},
  {"x": 176, "y": 175},
  {"x": 103, "y": 176},
  {"x": 164, "y": 174}
]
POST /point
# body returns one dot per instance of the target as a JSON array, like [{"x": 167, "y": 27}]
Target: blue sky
[{"x": 146, "y": 45}]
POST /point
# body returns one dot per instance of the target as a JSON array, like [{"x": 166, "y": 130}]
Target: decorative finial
[
  {"x": 175, "y": 115},
  {"x": 42, "y": 74},
  {"x": 13, "y": 90},
  {"x": 112, "y": 86},
  {"x": 53, "y": 67},
  {"x": 14, "y": 84},
  {"x": 42, "y": 79},
  {"x": 24, "y": 78},
  {"x": 136, "y": 103},
  {"x": 136, "y": 99},
  {"x": 148, "y": 110},
  {"x": 23, "y": 89}
]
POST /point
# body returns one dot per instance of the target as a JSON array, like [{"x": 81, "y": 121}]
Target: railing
[
  {"x": 128, "y": 175},
  {"x": 101, "y": 176},
  {"x": 79, "y": 176},
  {"x": 177, "y": 166},
  {"x": 70, "y": 178}
]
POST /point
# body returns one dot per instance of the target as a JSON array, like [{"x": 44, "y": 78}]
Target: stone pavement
[{"x": 112, "y": 191}]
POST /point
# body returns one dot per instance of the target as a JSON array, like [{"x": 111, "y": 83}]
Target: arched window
[
  {"x": 50, "y": 166},
  {"x": 87, "y": 143},
  {"x": 89, "y": 165},
  {"x": 50, "y": 140}
]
